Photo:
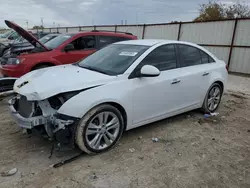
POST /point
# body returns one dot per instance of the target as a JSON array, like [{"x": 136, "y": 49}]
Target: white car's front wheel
[{"x": 99, "y": 129}]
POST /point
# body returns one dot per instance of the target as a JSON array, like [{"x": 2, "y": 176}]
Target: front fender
[{"x": 81, "y": 103}]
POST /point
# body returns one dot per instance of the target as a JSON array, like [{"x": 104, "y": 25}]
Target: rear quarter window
[{"x": 205, "y": 58}]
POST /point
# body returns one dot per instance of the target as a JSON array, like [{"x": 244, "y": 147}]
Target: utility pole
[
  {"x": 136, "y": 17},
  {"x": 125, "y": 22},
  {"x": 42, "y": 21},
  {"x": 122, "y": 22},
  {"x": 27, "y": 22}
]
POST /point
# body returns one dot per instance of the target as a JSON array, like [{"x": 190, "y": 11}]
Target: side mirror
[
  {"x": 69, "y": 47},
  {"x": 149, "y": 71}
]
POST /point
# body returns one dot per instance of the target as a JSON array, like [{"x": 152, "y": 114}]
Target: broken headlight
[{"x": 57, "y": 101}]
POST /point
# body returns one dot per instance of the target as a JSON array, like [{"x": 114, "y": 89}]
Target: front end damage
[{"x": 42, "y": 117}]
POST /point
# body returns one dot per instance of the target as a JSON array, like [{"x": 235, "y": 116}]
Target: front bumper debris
[
  {"x": 27, "y": 123},
  {"x": 59, "y": 127}
]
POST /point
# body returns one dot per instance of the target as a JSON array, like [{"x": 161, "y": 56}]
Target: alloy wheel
[
  {"x": 102, "y": 130},
  {"x": 214, "y": 97}
]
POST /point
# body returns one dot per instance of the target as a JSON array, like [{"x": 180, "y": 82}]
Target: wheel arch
[
  {"x": 82, "y": 110},
  {"x": 220, "y": 83},
  {"x": 121, "y": 109},
  {"x": 116, "y": 105}
]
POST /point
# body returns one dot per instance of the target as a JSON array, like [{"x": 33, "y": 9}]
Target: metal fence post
[
  {"x": 179, "y": 31},
  {"x": 143, "y": 31},
  {"x": 232, "y": 43}
]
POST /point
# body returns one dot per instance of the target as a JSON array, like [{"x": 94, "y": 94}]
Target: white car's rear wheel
[
  {"x": 213, "y": 98},
  {"x": 99, "y": 129}
]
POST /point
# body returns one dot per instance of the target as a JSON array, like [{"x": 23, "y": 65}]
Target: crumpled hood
[{"x": 44, "y": 83}]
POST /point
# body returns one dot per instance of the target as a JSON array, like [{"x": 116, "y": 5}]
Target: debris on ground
[
  {"x": 211, "y": 114},
  {"x": 140, "y": 137},
  {"x": 213, "y": 138},
  {"x": 248, "y": 130},
  {"x": 155, "y": 139},
  {"x": 68, "y": 160},
  {"x": 93, "y": 176},
  {"x": 9, "y": 172},
  {"x": 141, "y": 157},
  {"x": 132, "y": 150}
]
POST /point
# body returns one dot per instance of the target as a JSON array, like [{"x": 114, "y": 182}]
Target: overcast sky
[{"x": 102, "y": 12}]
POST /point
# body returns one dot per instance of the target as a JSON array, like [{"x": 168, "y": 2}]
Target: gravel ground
[{"x": 191, "y": 152}]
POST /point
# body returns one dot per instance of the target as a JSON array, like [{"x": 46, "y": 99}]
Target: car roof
[
  {"x": 111, "y": 33},
  {"x": 152, "y": 42},
  {"x": 143, "y": 42}
]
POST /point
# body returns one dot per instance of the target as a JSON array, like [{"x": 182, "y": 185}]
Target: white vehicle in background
[{"x": 120, "y": 87}]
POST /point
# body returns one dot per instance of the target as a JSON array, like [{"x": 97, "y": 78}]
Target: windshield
[
  {"x": 55, "y": 42},
  {"x": 46, "y": 38},
  {"x": 8, "y": 33},
  {"x": 114, "y": 59},
  {"x": 14, "y": 36}
]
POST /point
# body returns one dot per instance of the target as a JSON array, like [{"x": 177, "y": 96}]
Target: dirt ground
[{"x": 192, "y": 152}]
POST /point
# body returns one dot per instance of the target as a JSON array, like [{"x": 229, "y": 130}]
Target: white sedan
[{"x": 122, "y": 86}]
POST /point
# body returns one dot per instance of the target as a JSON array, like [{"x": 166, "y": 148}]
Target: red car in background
[{"x": 64, "y": 49}]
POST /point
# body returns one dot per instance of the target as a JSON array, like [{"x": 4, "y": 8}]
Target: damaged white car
[{"x": 120, "y": 87}]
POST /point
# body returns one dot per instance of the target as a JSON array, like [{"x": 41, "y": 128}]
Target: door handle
[
  {"x": 175, "y": 81},
  {"x": 205, "y": 74}
]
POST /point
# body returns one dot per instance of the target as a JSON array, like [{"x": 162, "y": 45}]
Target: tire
[
  {"x": 91, "y": 137},
  {"x": 207, "y": 104}
]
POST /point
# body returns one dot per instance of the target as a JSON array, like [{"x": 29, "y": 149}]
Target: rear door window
[
  {"x": 189, "y": 55},
  {"x": 106, "y": 40},
  {"x": 84, "y": 43}
]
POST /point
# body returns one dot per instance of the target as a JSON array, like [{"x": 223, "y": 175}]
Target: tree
[
  {"x": 38, "y": 27},
  {"x": 215, "y": 10}
]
